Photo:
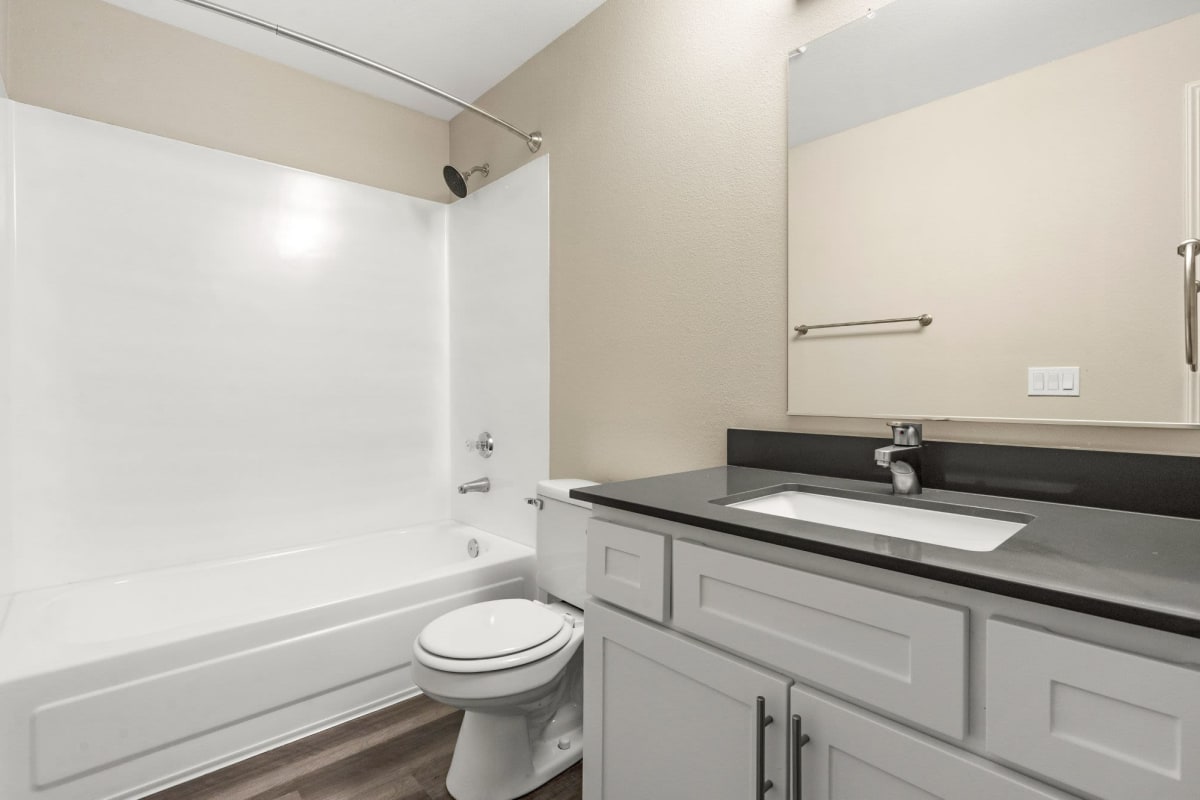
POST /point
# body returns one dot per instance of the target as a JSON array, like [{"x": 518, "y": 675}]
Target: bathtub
[{"x": 116, "y": 688}]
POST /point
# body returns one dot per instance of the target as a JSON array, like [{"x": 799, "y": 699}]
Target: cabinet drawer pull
[
  {"x": 799, "y": 739},
  {"x": 761, "y": 721}
]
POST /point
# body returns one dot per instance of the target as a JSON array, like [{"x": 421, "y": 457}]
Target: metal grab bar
[
  {"x": 1188, "y": 250},
  {"x": 924, "y": 319}
]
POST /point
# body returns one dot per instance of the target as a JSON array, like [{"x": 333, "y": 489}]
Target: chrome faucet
[
  {"x": 477, "y": 485},
  {"x": 903, "y": 457}
]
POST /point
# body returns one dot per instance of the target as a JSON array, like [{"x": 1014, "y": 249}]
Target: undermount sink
[{"x": 943, "y": 524}]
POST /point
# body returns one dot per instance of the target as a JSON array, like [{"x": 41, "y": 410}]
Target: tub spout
[{"x": 477, "y": 485}]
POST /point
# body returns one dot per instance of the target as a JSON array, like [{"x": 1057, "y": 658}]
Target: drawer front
[
  {"x": 1111, "y": 723},
  {"x": 629, "y": 568},
  {"x": 854, "y": 755},
  {"x": 902, "y": 656}
]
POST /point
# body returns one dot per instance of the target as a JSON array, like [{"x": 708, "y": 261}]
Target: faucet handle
[
  {"x": 484, "y": 444},
  {"x": 906, "y": 433}
]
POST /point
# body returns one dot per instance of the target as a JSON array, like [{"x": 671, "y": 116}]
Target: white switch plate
[{"x": 1065, "y": 381}]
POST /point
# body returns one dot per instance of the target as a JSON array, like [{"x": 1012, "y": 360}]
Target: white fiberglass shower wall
[
  {"x": 7, "y": 570},
  {"x": 209, "y": 355},
  {"x": 204, "y": 357},
  {"x": 213, "y": 355},
  {"x": 499, "y": 248}
]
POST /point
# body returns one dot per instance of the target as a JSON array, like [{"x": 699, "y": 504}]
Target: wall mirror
[{"x": 1022, "y": 172}]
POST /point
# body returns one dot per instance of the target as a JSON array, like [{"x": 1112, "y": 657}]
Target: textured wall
[
  {"x": 92, "y": 59},
  {"x": 666, "y": 121},
  {"x": 4, "y": 48}
]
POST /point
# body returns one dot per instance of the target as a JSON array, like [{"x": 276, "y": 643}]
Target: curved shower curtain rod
[{"x": 532, "y": 140}]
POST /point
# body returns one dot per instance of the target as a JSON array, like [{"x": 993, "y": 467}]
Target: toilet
[{"x": 515, "y": 666}]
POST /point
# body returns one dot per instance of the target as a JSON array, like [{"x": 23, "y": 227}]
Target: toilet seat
[
  {"x": 493, "y": 635},
  {"x": 468, "y": 665}
]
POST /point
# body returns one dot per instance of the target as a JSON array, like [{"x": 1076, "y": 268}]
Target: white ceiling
[{"x": 464, "y": 47}]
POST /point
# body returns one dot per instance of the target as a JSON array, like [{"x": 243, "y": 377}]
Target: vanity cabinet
[
  {"x": 629, "y": 568},
  {"x": 854, "y": 755},
  {"x": 671, "y": 719},
  {"x": 1116, "y": 724},
  {"x": 899, "y": 654},
  {"x": 903, "y": 692}
]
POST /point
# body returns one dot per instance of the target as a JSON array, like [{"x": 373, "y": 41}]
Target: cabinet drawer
[
  {"x": 853, "y": 754},
  {"x": 1111, "y": 723},
  {"x": 628, "y": 568},
  {"x": 903, "y": 656}
]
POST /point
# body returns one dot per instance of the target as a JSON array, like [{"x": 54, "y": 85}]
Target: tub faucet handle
[{"x": 483, "y": 444}]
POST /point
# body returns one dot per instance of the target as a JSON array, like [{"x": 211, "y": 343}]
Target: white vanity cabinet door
[
  {"x": 854, "y": 755},
  {"x": 900, "y": 655},
  {"x": 1118, "y": 725},
  {"x": 667, "y": 718}
]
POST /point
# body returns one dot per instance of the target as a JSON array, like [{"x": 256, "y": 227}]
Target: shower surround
[{"x": 208, "y": 358}]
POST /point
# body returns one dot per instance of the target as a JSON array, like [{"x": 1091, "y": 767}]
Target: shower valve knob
[{"x": 484, "y": 444}]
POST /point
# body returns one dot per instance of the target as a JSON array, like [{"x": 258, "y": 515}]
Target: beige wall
[
  {"x": 4, "y": 48},
  {"x": 1035, "y": 218},
  {"x": 92, "y": 59},
  {"x": 665, "y": 123}
]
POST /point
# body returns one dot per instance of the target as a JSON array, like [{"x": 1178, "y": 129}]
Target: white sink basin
[{"x": 943, "y": 528}]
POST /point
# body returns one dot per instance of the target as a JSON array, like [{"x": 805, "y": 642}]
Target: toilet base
[{"x": 495, "y": 760}]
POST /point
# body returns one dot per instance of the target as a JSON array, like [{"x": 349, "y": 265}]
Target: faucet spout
[
  {"x": 477, "y": 485},
  {"x": 904, "y": 478},
  {"x": 887, "y": 456}
]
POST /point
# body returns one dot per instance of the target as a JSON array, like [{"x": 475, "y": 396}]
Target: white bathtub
[{"x": 116, "y": 688}]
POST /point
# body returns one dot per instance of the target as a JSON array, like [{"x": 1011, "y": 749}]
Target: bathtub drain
[{"x": 473, "y": 548}]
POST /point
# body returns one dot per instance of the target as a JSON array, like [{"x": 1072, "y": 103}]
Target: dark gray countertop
[{"x": 1138, "y": 568}]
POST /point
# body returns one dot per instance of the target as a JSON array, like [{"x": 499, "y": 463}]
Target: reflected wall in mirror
[{"x": 1019, "y": 171}]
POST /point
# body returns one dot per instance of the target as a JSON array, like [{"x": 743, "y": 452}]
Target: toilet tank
[{"x": 562, "y": 540}]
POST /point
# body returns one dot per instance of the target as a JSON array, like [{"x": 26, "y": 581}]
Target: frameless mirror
[{"x": 1019, "y": 173}]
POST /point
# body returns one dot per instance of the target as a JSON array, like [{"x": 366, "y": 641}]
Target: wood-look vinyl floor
[{"x": 398, "y": 753}]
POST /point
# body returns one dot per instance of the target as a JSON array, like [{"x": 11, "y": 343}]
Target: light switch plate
[{"x": 1064, "y": 380}]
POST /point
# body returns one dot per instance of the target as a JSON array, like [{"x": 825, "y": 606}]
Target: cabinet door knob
[
  {"x": 761, "y": 721},
  {"x": 799, "y": 739}
]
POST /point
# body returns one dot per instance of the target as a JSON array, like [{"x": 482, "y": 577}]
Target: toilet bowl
[{"x": 515, "y": 667}]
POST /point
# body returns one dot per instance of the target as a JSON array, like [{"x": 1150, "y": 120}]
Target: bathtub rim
[{"x": 25, "y": 655}]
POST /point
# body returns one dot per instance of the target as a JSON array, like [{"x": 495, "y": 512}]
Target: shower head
[{"x": 457, "y": 181}]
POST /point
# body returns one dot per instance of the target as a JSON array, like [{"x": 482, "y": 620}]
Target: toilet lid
[{"x": 490, "y": 629}]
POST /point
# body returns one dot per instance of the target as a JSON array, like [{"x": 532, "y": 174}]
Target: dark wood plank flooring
[{"x": 398, "y": 753}]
